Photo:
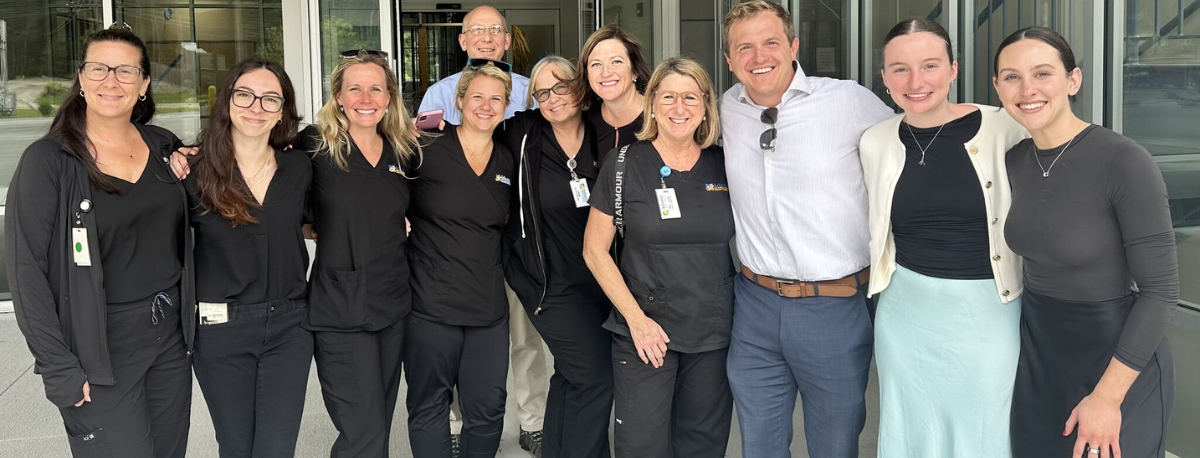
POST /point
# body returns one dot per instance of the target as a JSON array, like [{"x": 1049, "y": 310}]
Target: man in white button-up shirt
[{"x": 800, "y": 318}]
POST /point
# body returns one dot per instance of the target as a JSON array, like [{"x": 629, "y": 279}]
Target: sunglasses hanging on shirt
[
  {"x": 476, "y": 62},
  {"x": 766, "y": 141}
]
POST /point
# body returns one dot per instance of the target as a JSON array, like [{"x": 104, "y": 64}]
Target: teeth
[
  {"x": 919, "y": 96},
  {"x": 678, "y": 121},
  {"x": 366, "y": 112},
  {"x": 762, "y": 70},
  {"x": 610, "y": 83},
  {"x": 1031, "y": 106}
]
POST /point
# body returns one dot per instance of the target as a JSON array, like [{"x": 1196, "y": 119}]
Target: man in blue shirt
[{"x": 485, "y": 36}]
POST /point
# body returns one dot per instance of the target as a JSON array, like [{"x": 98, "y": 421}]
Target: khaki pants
[{"x": 531, "y": 377}]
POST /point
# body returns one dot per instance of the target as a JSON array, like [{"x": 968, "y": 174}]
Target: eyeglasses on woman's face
[
  {"x": 97, "y": 71},
  {"x": 245, "y": 99},
  {"x": 542, "y": 95}
]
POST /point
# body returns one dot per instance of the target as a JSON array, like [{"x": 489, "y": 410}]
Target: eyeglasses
[
  {"x": 690, "y": 99},
  {"x": 475, "y": 62},
  {"x": 245, "y": 99},
  {"x": 479, "y": 29},
  {"x": 767, "y": 139},
  {"x": 542, "y": 95},
  {"x": 353, "y": 53},
  {"x": 96, "y": 71}
]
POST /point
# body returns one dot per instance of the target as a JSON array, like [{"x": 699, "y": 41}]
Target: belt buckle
[{"x": 779, "y": 284}]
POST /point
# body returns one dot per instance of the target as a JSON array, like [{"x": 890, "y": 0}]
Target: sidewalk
[{"x": 30, "y": 426}]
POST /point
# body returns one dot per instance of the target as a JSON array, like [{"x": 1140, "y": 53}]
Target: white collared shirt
[
  {"x": 801, "y": 209},
  {"x": 441, "y": 96}
]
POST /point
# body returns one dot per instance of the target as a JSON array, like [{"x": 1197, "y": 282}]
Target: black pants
[
  {"x": 254, "y": 373},
  {"x": 146, "y": 412},
  {"x": 440, "y": 357},
  {"x": 360, "y": 379},
  {"x": 680, "y": 410},
  {"x": 579, "y": 404}
]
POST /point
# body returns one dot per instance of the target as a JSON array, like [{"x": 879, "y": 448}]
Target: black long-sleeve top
[
  {"x": 61, "y": 306},
  {"x": 1099, "y": 223},
  {"x": 259, "y": 262}
]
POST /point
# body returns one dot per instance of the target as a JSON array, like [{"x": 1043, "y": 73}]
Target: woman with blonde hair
[
  {"x": 361, "y": 147},
  {"x": 457, "y": 334},
  {"x": 667, "y": 195},
  {"x": 556, "y": 153}
]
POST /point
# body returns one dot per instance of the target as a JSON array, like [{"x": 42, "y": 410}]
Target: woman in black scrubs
[
  {"x": 1095, "y": 378},
  {"x": 252, "y": 357},
  {"x": 99, "y": 261},
  {"x": 457, "y": 334},
  {"x": 555, "y": 150},
  {"x": 612, "y": 78},
  {"x": 673, "y": 288},
  {"x": 358, "y": 289}
]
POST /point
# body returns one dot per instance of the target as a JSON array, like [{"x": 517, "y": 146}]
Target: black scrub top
[
  {"x": 457, "y": 221},
  {"x": 609, "y": 136},
  {"x": 138, "y": 230},
  {"x": 359, "y": 280},
  {"x": 259, "y": 262},
  {"x": 568, "y": 278},
  {"x": 679, "y": 270}
]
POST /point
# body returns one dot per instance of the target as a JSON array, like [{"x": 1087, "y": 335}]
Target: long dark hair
[
  {"x": 69, "y": 127},
  {"x": 221, "y": 187}
]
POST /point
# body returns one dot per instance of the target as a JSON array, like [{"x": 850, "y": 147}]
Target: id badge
[
  {"x": 214, "y": 313},
  {"x": 79, "y": 247},
  {"x": 579, "y": 190},
  {"x": 668, "y": 205}
]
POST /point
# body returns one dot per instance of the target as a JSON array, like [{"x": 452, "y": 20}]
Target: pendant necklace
[
  {"x": 926, "y": 148},
  {"x": 1046, "y": 171}
]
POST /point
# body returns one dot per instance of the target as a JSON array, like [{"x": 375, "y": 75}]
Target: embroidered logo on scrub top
[
  {"x": 397, "y": 170},
  {"x": 503, "y": 179},
  {"x": 716, "y": 187}
]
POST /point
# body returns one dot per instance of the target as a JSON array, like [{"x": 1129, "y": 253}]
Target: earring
[
  {"x": 142, "y": 98},
  {"x": 889, "y": 91},
  {"x": 705, "y": 118},
  {"x": 81, "y": 93},
  {"x": 342, "y": 108},
  {"x": 651, "y": 115},
  {"x": 279, "y": 122},
  {"x": 387, "y": 110}
]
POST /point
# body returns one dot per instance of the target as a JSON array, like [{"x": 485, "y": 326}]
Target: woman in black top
[
  {"x": 612, "y": 78},
  {"x": 457, "y": 334},
  {"x": 99, "y": 261},
  {"x": 361, "y": 147},
  {"x": 555, "y": 150},
  {"x": 1090, "y": 216},
  {"x": 673, "y": 288},
  {"x": 248, "y": 198}
]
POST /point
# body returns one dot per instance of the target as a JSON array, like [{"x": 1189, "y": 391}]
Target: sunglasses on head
[
  {"x": 476, "y": 62},
  {"x": 352, "y": 53},
  {"x": 766, "y": 141}
]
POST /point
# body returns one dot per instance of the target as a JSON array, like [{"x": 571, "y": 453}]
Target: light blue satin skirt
[{"x": 947, "y": 356}]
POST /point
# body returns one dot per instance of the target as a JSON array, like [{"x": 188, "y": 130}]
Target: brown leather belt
[{"x": 843, "y": 287}]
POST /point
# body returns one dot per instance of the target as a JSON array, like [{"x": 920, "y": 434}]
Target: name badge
[
  {"x": 79, "y": 247},
  {"x": 668, "y": 205},
  {"x": 214, "y": 313},
  {"x": 579, "y": 190}
]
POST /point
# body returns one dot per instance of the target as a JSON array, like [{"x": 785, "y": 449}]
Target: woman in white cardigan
[{"x": 947, "y": 326}]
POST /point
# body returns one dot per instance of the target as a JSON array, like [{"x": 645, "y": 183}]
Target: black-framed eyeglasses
[
  {"x": 476, "y": 62},
  {"x": 352, "y": 53},
  {"x": 767, "y": 139},
  {"x": 245, "y": 99},
  {"x": 479, "y": 30},
  {"x": 560, "y": 88},
  {"x": 97, "y": 71}
]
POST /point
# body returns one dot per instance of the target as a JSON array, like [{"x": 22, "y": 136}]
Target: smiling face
[
  {"x": 364, "y": 95},
  {"x": 1033, "y": 84},
  {"x": 918, "y": 72},
  {"x": 109, "y": 97},
  {"x": 485, "y": 45},
  {"x": 761, "y": 57},
  {"x": 678, "y": 107},
  {"x": 609, "y": 73},
  {"x": 483, "y": 104},
  {"x": 556, "y": 108},
  {"x": 254, "y": 121}
]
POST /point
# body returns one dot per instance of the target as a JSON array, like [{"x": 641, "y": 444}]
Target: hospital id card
[
  {"x": 214, "y": 313},
  {"x": 668, "y": 205},
  {"x": 579, "y": 190}
]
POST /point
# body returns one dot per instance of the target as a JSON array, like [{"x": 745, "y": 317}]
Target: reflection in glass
[
  {"x": 885, "y": 14},
  {"x": 346, "y": 24}
]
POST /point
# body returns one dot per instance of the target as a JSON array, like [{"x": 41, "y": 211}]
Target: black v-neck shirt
[
  {"x": 568, "y": 278},
  {"x": 260, "y": 262},
  {"x": 359, "y": 280},
  {"x": 457, "y": 221},
  {"x": 138, "y": 230}
]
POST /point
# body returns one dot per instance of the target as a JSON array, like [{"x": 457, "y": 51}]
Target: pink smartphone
[{"x": 429, "y": 120}]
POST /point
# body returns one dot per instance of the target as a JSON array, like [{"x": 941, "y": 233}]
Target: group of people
[{"x": 1022, "y": 260}]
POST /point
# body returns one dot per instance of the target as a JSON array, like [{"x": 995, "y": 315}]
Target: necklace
[
  {"x": 1046, "y": 171},
  {"x": 926, "y": 148},
  {"x": 259, "y": 175}
]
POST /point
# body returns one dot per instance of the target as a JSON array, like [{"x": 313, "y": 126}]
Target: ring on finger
[{"x": 1094, "y": 451}]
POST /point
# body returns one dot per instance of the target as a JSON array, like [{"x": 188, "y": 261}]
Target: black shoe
[
  {"x": 531, "y": 441},
  {"x": 455, "y": 444}
]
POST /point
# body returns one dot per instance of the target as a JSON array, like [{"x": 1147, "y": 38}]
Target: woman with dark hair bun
[
  {"x": 248, "y": 198},
  {"x": 1090, "y": 216},
  {"x": 938, "y": 196},
  {"x": 99, "y": 261}
]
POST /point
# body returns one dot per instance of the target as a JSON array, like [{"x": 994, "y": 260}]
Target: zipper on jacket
[{"x": 537, "y": 233}]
